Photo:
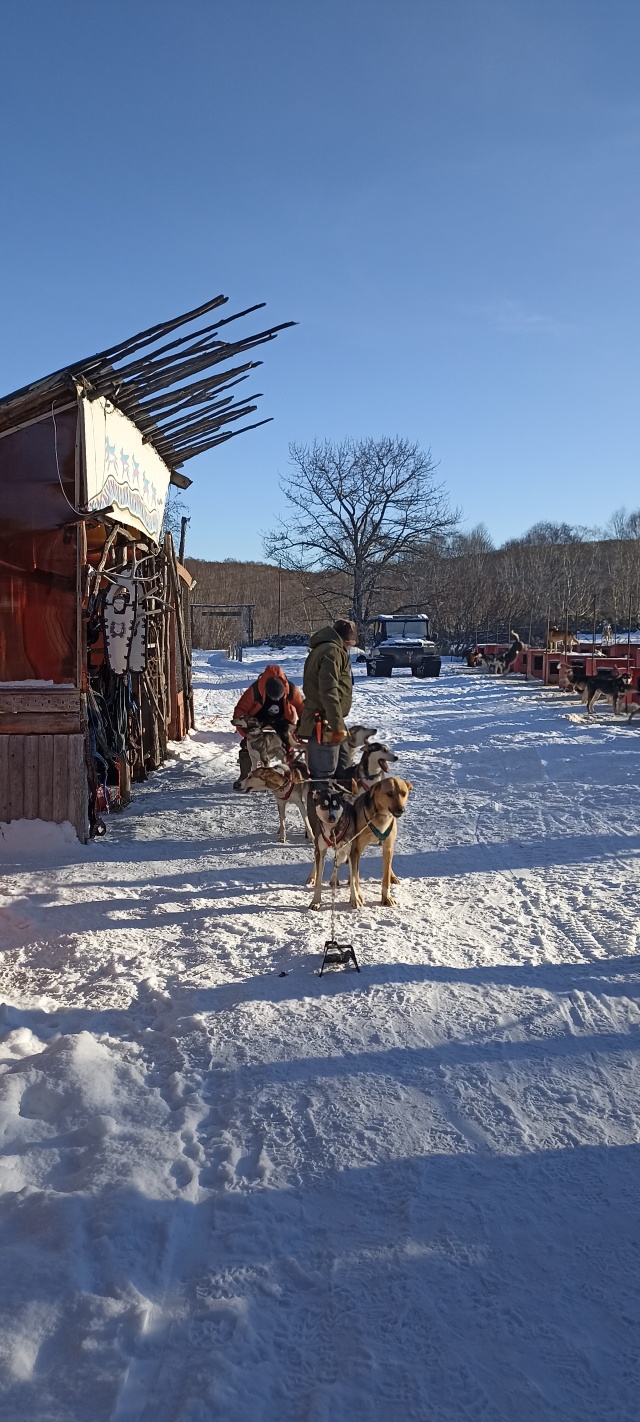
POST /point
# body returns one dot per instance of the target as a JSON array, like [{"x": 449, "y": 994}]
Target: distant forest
[{"x": 467, "y": 586}]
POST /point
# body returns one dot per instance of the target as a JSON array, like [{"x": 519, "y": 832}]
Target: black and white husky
[
  {"x": 373, "y": 765},
  {"x": 333, "y": 827}
]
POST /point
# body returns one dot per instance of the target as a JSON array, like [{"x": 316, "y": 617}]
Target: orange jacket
[{"x": 252, "y": 700}]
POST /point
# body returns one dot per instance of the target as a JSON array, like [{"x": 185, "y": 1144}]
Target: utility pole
[
  {"x": 183, "y": 534},
  {"x": 279, "y": 598}
]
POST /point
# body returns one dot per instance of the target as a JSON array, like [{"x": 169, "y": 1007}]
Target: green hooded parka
[{"x": 327, "y": 683}]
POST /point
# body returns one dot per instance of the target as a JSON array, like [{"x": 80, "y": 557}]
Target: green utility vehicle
[{"x": 400, "y": 640}]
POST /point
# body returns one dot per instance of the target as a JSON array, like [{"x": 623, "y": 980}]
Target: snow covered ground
[{"x": 409, "y": 1194}]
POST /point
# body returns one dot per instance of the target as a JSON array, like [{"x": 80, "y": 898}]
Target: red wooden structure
[{"x": 95, "y": 644}]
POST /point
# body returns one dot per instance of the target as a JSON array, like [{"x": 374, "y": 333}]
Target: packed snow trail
[{"x": 408, "y": 1194}]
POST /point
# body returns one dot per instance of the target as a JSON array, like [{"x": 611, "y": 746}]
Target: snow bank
[
  {"x": 412, "y": 1193},
  {"x": 38, "y": 837}
]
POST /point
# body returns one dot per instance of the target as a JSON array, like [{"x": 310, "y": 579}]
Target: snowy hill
[{"x": 409, "y": 1194}]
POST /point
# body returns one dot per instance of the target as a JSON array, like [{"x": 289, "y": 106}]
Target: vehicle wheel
[
  {"x": 426, "y": 666},
  {"x": 379, "y": 666}
]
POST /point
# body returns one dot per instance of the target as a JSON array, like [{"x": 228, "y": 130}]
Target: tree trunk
[{"x": 357, "y": 600}]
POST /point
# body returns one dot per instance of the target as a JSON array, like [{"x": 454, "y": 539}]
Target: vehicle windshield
[{"x": 405, "y": 627}]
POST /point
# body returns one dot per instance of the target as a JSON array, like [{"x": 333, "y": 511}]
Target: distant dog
[
  {"x": 592, "y": 688},
  {"x": 289, "y": 786},
  {"x": 558, "y": 641},
  {"x": 373, "y": 765},
  {"x": 376, "y": 815},
  {"x": 513, "y": 652},
  {"x": 333, "y": 827}
]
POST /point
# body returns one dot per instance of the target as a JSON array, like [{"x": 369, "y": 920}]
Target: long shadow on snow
[
  {"x": 503, "y": 855},
  {"x": 608, "y": 977},
  {"x": 454, "y": 1285},
  {"x": 500, "y": 856},
  {"x": 404, "y": 1062}
]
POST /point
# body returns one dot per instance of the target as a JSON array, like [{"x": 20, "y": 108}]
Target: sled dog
[
  {"x": 332, "y": 825},
  {"x": 263, "y": 743},
  {"x": 512, "y": 652},
  {"x": 373, "y": 765},
  {"x": 611, "y": 688},
  {"x": 376, "y": 815},
  {"x": 348, "y": 829},
  {"x": 289, "y": 786},
  {"x": 358, "y": 736}
]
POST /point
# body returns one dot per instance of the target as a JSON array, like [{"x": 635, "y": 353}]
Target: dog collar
[
  {"x": 380, "y": 835},
  {"x": 337, "y": 839}
]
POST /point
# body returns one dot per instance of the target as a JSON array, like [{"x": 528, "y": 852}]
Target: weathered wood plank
[
  {"x": 4, "y": 778},
  {"x": 55, "y": 723},
  {"x": 16, "y": 778},
  {"x": 60, "y": 778},
  {"x": 38, "y": 702},
  {"x": 31, "y": 796},
  {"x": 77, "y": 808},
  {"x": 45, "y": 777}
]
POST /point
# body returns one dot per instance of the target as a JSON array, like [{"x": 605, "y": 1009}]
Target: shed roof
[{"x": 151, "y": 380}]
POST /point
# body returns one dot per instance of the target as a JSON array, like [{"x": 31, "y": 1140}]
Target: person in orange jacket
[{"x": 274, "y": 701}]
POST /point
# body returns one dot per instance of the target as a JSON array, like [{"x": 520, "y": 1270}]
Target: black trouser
[
  {"x": 245, "y": 759},
  {"x": 329, "y": 762}
]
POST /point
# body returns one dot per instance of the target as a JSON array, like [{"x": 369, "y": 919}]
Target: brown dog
[{"x": 376, "y": 822}]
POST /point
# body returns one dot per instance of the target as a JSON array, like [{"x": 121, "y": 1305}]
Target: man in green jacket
[{"x": 327, "y": 689}]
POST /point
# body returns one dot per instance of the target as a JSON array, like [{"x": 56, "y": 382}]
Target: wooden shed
[{"x": 95, "y": 652}]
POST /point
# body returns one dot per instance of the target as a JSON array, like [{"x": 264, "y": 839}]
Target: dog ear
[
  {"x": 408, "y": 785},
  {"x": 317, "y": 796}
]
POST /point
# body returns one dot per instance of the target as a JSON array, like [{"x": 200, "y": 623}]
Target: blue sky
[{"x": 443, "y": 193}]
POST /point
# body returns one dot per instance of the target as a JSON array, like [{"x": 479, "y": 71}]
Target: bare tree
[
  {"x": 174, "y": 510},
  {"x": 623, "y": 525},
  {"x": 357, "y": 509}
]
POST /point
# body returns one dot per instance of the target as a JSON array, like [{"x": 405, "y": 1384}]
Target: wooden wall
[
  {"x": 43, "y": 771},
  {"x": 44, "y": 778}
]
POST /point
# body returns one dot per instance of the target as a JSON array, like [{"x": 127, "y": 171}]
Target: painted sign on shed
[{"x": 122, "y": 472}]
